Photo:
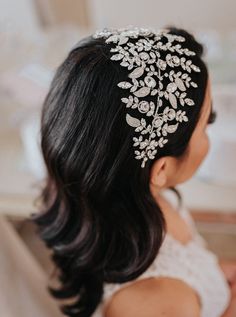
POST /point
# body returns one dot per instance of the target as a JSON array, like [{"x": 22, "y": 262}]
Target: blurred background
[{"x": 35, "y": 36}]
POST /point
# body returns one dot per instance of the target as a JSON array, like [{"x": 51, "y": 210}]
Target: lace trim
[{"x": 183, "y": 261}]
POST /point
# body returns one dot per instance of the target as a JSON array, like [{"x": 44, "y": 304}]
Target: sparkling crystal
[
  {"x": 176, "y": 60},
  {"x": 133, "y": 122},
  {"x": 171, "y": 114},
  {"x": 137, "y": 72},
  {"x": 173, "y": 100},
  {"x": 150, "y": 82},
  {"x": 162, "y": 64},
  {"x": 144, "y": 55},
  {"x": 195, "y": 68},
  {"x": 113, "y": 38},
  {"x": 142, "y": 92},
  {"x": 194, "y": 84},
  {"x": 124, "y": 84},
  {"x": 172, "y": 128},
  {"x": 117, "y": 57},
  {"x": 144, "y": 106},
  {"x": 124, "y": 64},
  {"x": 180, "y": 84},
  {"x": 123, "y": 40},
  {"x": 171, "y": 87},
  {"x": 157, "y": 122},
  {"x": 144, "y": 144},
  {"x": 189, "y": 101}
]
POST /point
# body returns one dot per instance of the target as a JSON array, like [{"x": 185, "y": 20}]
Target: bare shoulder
[{"x": 154, "y": 297}]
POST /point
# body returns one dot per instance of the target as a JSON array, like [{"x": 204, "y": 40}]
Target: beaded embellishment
[{"x": 142, "y": 57}]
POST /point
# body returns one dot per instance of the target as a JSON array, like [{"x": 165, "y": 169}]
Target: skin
[
  {"x": 170, "y": 171},
  {"x": 166, "y": 172}
]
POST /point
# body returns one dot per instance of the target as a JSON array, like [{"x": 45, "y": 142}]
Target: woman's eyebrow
[
  {"x": 211, "y": 109},
  {"x": 208, "y": 113},
  {"x": 212, "y": 114}
]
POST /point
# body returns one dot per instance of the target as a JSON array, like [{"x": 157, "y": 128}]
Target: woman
[{"x": 125, "y": 119}]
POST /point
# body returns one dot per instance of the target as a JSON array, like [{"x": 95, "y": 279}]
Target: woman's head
[
  {"x": 98, "y": 213},
  {"x": 168, "y": 171}
]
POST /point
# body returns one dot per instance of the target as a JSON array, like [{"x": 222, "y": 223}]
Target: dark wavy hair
[{"x": 97, "y": 214}]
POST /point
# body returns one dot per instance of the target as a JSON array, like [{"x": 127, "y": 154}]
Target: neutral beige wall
[
  {"x": 192, "y": 14},
  {"x": 18, "y": 16},
  {"x": 25, "y": 15},
  {"x": 60, "y": 12}
]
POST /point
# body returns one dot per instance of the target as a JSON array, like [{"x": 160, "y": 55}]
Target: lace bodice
[{"x": 193, "y": 263}]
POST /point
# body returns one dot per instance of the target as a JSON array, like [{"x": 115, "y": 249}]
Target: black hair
[{"x": 97, "y": 213}]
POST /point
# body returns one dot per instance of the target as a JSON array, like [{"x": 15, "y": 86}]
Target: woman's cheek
[
  {"x": 201, "y": 149},
  {"x": 207, "y": 144}
]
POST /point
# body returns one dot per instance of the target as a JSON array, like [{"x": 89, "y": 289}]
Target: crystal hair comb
[{"x": 142, "y": 57}]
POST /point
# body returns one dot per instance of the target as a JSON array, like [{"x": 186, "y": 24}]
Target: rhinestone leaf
[
  {"x": 195, "y": 68},
  {"x": 193, "y": 84},
  {"x": 117, "y": 57},
  {"x": 154, "y": 92},
  {"x": 171, "y": 87},
  {"x": 176, "y": 60},
  {"x": 124, "y": 84},
  {"x": 180, "y": 84},
  {"x": 173, "y": 100},
  {"x": 125, "y": 100},
  {"x": 124, "y": 64},
  {"x": 113, "y": 38},
  {"x": 172, "y": 128},
  {"x": 137, "y": 72},
  {"x": 143, "y": 92},
  {"x": 123, "y": 40},
  {"x": 189, "y": 101},
  {"x": 133, "y": 122}
]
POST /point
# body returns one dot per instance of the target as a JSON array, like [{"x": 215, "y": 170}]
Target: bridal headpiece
[{"x": 139, "y": 50}]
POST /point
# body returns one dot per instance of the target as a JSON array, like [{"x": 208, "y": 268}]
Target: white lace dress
[{"x": 193, "y": 263}]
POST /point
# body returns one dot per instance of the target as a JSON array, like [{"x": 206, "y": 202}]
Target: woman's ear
[{"x": 158, "y": 175}]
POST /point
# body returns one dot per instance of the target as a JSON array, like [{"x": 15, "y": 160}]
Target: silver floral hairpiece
[{"x": 143, "y": 58}]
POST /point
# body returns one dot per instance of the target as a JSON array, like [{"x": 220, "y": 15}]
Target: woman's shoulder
[{"x": 153, "y": 297}]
